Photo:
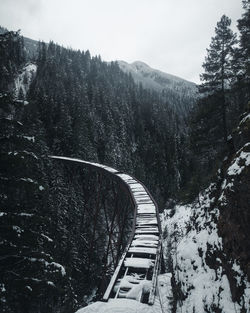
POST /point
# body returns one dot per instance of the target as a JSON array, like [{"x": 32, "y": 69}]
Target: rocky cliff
[{"x": 207, "y": 242}]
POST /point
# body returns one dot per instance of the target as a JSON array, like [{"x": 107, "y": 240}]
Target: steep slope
[
  {"x": 207, "y": 242},
  {"x": 179, "y": 93}
]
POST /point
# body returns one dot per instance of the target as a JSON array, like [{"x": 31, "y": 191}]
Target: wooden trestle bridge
[{"x": 135, "y": 276}]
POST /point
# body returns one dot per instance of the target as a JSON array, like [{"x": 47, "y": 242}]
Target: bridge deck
[{"x": 135, "y": 276}]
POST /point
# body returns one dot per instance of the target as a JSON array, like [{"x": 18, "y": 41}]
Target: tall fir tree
[
  {"x": 243, "y": 52},
  {"x": 218, "y": 66}
]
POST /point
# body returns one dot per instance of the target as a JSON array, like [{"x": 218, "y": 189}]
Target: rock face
[
  {"x": 234, "y": 201},
  {"x": 207, "y": 244},
  {"x": 23, "y": 80}
]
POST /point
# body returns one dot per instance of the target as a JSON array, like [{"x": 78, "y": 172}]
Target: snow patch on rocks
[
  {"x": 24, "y": 79},
  {"x": 242, "y": 160},
  {"x": 196, "y": 250}
]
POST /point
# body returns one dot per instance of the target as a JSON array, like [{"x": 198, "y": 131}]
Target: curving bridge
[{"x": 135, "y": 275}]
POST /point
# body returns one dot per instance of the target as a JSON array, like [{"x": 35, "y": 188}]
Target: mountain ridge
[
  {"x": 143, "y": 69},
  {"x": 175, "y": 90},
  {"x": 137, "y": 63}
]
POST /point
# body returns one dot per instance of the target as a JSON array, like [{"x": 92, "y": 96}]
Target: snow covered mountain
[
  {"x": 177, "y": 91},
  {"x": 155, "y": 79}
]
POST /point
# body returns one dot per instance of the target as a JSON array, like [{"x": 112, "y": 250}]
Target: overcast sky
[{"x": 170, "y": 35}]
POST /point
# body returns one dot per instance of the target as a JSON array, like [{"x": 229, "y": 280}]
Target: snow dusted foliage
[
  {"x": 199, "y": 263},
  {"x": 24, "y": 79}
]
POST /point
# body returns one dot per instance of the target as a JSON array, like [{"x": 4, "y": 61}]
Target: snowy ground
[{"x": 196, "y": 252}]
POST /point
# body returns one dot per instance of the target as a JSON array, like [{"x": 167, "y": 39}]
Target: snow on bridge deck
[
  {"x": 162, "y": 303},
  {"x": 136, "y": 274},
  {"x": 119, "y": 306}
]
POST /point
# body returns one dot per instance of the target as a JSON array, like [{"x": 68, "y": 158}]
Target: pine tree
[
  {"x": 217, "y": 66},
  {"x": 11, "y": 57},
  {"x": 243, "y": 53}
]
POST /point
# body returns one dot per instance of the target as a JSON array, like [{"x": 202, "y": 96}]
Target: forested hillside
[
  {"x": 177, "y": 92},
  {"x": 68, "y": 103}
]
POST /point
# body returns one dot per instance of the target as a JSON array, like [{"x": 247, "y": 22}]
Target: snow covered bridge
[{"x": 135, "y": 276}]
